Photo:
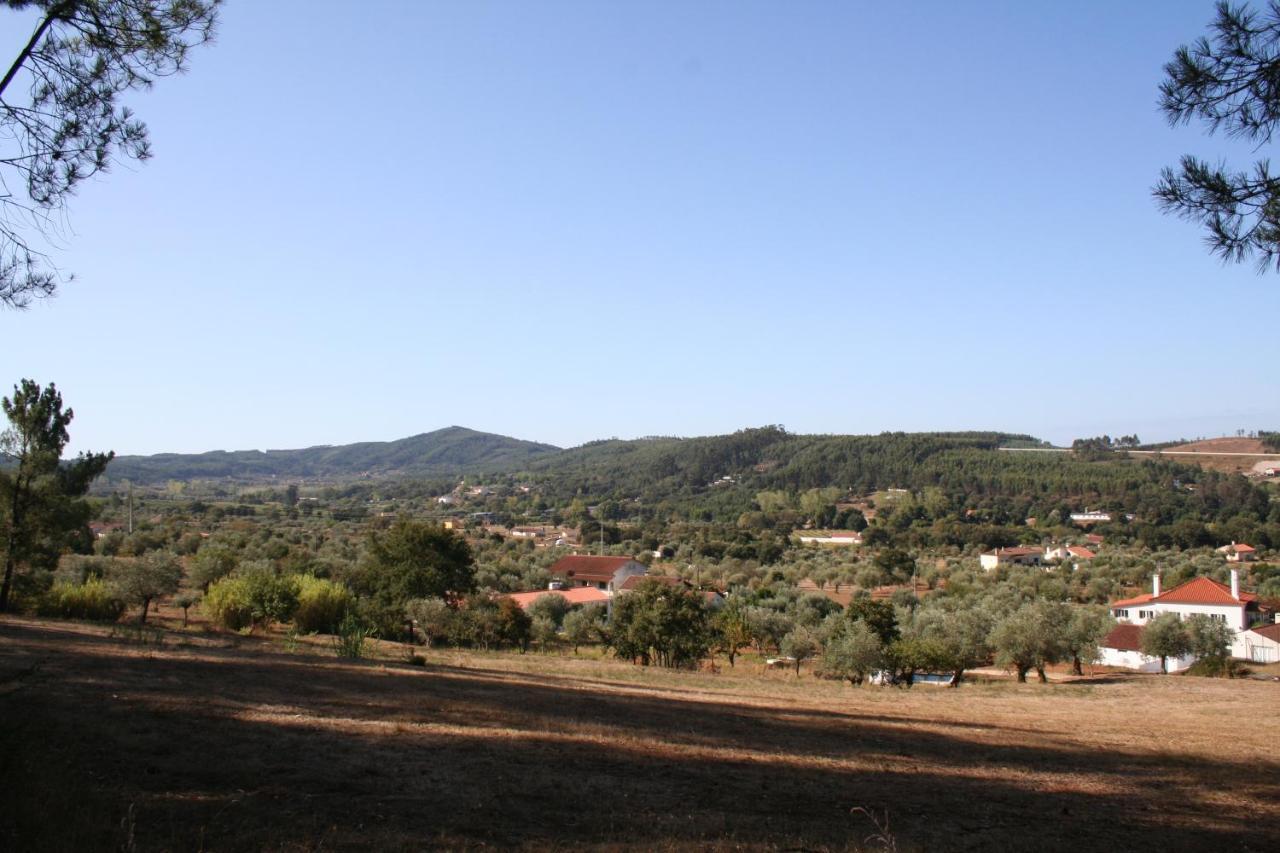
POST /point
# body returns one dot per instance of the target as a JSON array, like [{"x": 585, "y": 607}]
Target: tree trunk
[
  {"x": 1022, "y": 674},
  {"x": 956, "y": 678},
  {"x": 10, "y": 557},
  {"x": 184, "y": 617},
  {"x": 1076, "y": 668},
  {"x": 146, "y": 603},
  {"x": 1040, "y": 674},
  {"x": 1164, "y": 665},
  {"x": 733, "y": 653}
]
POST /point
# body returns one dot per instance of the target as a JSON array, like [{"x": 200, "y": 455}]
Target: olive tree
[{"x": 139, "y": 580}]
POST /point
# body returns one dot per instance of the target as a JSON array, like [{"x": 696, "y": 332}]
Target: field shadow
[{"x": 229, "y": 750}]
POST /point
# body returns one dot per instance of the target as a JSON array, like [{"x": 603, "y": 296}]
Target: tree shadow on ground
[{"x": 229, "y": 750}]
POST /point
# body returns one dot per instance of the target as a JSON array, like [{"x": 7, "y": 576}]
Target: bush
[
  {"x": 227, "y": 603},
  {"x": 321, "y": 604},
  {"x": 349, "y": 641},
  {"x": 94, "y": 599}
]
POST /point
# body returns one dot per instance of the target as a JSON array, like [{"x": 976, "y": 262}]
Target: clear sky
[{"x": 568, "y": 221}]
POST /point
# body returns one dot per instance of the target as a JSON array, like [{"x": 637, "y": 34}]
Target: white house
[
  {"x": 1123, "y": 648},
  {"x": 1197, "y": 597},
  {"x": 1014, "y": 556},
  {"x": 1092, "y": 516},
  {"x": 1262, "y": 643},
  {"x": 1238, "y": 552},
  {"x": 831, "y": 537}
]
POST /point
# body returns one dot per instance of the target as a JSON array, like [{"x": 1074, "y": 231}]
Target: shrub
[
  {"x": 321, "y": 604},
  {"x": 349, "y": 642},
  {"x": 94, "y": 599},
  {"x": 227, "y": 603}
]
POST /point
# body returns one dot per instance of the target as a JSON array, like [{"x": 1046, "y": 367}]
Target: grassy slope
[{"x": 235, "y": 748}]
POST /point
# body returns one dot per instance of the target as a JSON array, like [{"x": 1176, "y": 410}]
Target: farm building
[
  {"x": 1011, "y": 556},
  {"x": 606, "y": 573},
  {"x": 1123, "y": 648},
  {"x": 1262, "y": 643}
]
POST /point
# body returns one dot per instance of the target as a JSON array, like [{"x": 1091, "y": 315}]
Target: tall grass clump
[
  {"x": 95, "y": 599},
  {"x": 322, "y": 604},
  {"x": 351, "y": 637}
]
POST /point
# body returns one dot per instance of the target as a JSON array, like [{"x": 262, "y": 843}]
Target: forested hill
[
  {"x": 766, "y": 457},
  {"x": 449, "y": 451}
]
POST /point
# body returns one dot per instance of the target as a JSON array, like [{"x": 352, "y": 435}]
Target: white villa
[{"x": 1199, "y": 596}]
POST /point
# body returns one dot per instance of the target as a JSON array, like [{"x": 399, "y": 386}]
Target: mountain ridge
[{"x": 445, "y": 451}]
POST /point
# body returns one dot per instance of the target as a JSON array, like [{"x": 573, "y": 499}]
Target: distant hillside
[
  {"x": 454, "y": 450},
  {"x": 762, "y": 458}
]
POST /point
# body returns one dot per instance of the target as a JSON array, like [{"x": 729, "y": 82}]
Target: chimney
[
  {"x": 1155, "y": 586},
  {"x": 1235, "y": 584}
]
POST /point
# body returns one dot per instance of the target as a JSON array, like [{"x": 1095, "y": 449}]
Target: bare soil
[{"x": 216, "y": 743}]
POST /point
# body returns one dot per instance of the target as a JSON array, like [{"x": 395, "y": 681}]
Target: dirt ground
[{"x": 214, "y": 743}]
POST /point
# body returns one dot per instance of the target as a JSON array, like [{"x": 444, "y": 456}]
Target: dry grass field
[
  {"x": 211, "y": 743},
  {"x": 1225, "y": 464}
]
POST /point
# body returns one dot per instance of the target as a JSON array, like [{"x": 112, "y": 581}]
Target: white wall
[
  {"x": 1235, "y": 615},
  {"x": 1141, "y": 663}
]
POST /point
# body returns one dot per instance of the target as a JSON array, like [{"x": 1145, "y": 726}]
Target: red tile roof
[
  {"x": 1203, "y": 590},
  {"x": 589, "y": 568},
  {"x": 1082, "y": 553},
  {"x": 1199, "y": 590},
  {"x": 1130, "y": 602},
  {"x": 1271, "y": 632},
  {"x": 1125, "y": 638},
  {"x": 635, "y": 580},
  {"x": 578, "y": 595}
]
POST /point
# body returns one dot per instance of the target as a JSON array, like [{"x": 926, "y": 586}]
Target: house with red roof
[
  {"x": 1199, "y": 596},
  {"x": 1122, "y": 648},
  {"x": 606, "y": 573},
  {"x": 1015, "y": 556},
  {"x": 1238, "y": 552}
]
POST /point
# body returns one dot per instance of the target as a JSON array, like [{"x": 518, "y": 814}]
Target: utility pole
[{"x": 131, "y": 509}]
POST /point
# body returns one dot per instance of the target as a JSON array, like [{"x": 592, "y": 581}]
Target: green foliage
[
  {"x": 411, "y": 560},
  {"x": 1227, "y": 81},
  {"x": 451, "y": 451},
  {"x": 1165, "y": 637},
  {"x": 514, "y": 625},
  {"x": 352, "y": 636},
  {"x": 253, "y": 596},
  {"x": 141, "y": 579},
  {"x": 70, "y": 125},
  {"x": 322, "y": 604},
  {"x": 432, "y": 618},
  {"x": 226, "y": 603},
  {"x": 731, "y": 628},
  {"x": 853, "y": 652},
  {"x": 95, "y": 600},
  {"x": 1032, "y": 637},
  {"x": 584, "y": 625},
  {"x": 42, "y": 509},
  {"x": 553, "y": 607},
  {"x": 657, "y": 623},
  {"x": 1210, "y": 639},
  {"x": 877, "y": 615}
]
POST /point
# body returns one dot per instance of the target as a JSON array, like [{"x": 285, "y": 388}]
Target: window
[
  {"x": 1218, "y": 617},
  {"x": 1122, "y": 614}
]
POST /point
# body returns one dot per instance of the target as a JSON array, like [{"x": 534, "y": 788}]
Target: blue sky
[{"x": 569, "y": 221}]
